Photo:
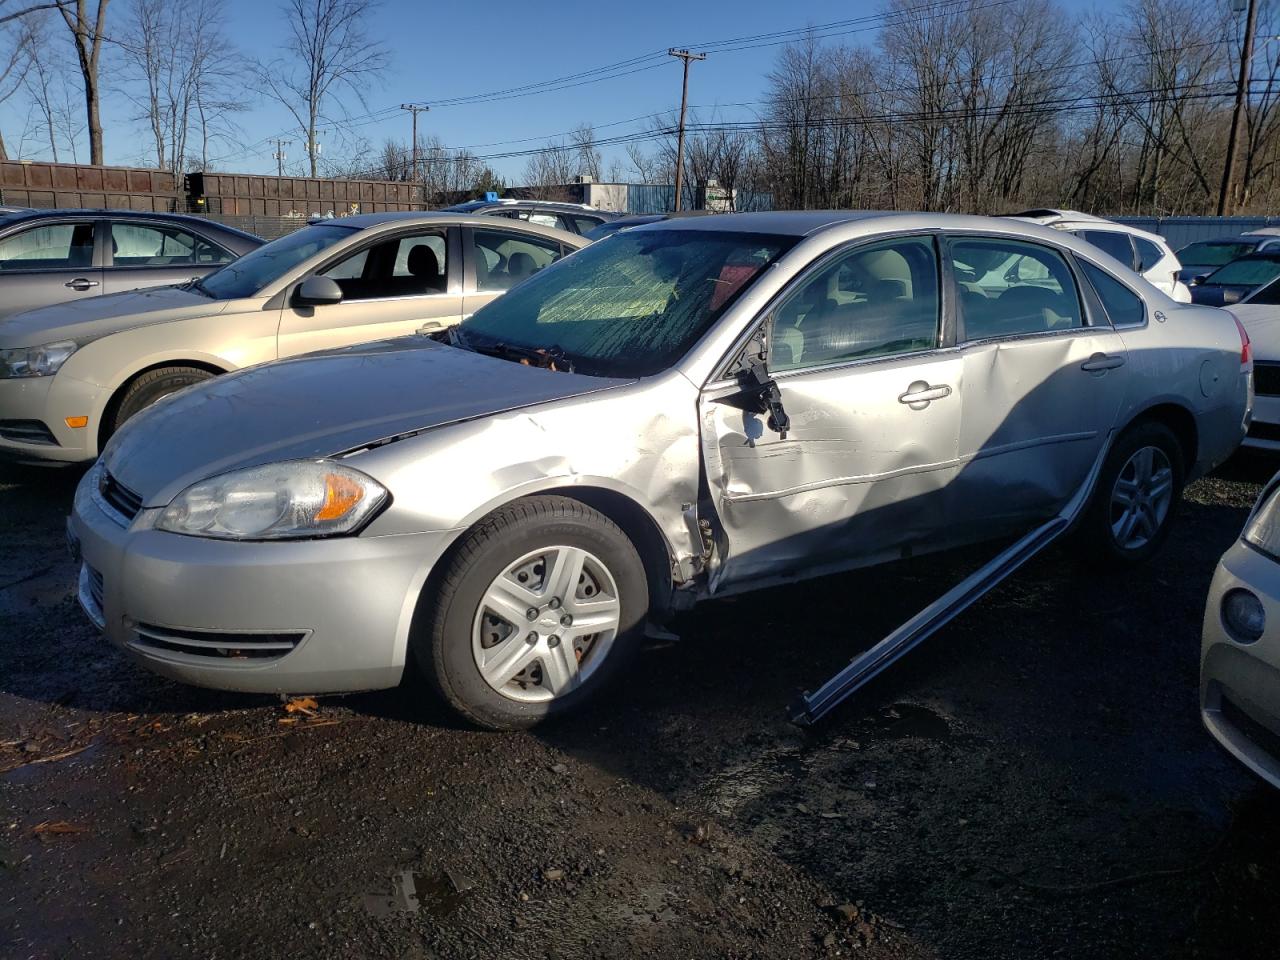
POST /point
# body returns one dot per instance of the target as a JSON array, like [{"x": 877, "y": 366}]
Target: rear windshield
[
  {"x": 1249, "y": 272},
  {"x": 1213, "y": 253},
  {"x": 629, "y": 305},
  {"x": 259, "y": 268}
]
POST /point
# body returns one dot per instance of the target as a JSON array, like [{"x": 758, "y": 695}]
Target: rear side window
[
  {"x": 1116, "y": 244},
  {"x": 1149, "y": 254},
  {"x": 48, "y": 247},
  {"x": 151, "y": 245},
  {"x": 1123, "y": 306},
  {"x": 586, "y": 224},
  {"x": 1008, "y": 288},
  {"x": 503, "y": 259}
]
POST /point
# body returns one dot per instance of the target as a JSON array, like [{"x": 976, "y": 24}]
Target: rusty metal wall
[
  {"x": 45, "y": 185},
  {"x": 245, "y": 195}
]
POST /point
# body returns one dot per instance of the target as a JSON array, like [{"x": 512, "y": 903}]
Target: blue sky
[{"x": 440, "y": 50}]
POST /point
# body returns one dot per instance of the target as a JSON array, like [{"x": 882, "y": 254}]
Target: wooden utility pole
[
  {"x": 280, "y": 156},
  {"x": 686, "y": 56},
  {"x": 415, "y": 109},
  {"x": 1225, "y": 201}
]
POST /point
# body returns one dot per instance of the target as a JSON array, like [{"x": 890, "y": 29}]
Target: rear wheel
[
  {"x": 155, "y": 385},
  {"x": 538, "y": 608},
  {"x": 1137, "y": 495}
]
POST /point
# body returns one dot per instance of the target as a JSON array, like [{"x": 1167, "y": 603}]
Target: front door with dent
[
  {"x": 393, "y": 287},
  {"x": 858, "y": 351}
]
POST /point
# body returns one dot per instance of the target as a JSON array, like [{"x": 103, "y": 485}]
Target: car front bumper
[
  {"x": 303, "y": 616},
  {"x": 1240, "y": 682},
  {"x": 47, "y": 401}
]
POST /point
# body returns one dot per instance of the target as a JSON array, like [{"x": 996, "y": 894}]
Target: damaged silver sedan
[{"x": 682, "y": 411}]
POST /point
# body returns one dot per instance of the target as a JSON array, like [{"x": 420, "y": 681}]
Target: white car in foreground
[{"x": 1143, "y": 252}]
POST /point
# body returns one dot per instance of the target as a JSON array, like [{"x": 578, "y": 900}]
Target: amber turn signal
[{"x": 76, "y": 422}]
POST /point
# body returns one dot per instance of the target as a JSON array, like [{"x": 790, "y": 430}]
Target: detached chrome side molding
[{"x": 812, "y": 707}]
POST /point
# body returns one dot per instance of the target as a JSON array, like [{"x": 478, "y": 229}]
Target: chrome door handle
[
  {"x": 431, "y": 326},
  {"x": 80, "y": 283},
  {"x": 921, "y": 393},
  {"x": 1100, "y": 362}
]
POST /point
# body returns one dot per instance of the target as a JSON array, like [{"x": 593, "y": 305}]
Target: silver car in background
[
  {"x": 681, "y": 411},
  {"x": 52, "y": 256},
  {"x": 1240, "y": 654}
]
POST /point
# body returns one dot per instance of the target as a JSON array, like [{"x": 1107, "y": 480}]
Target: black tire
[
  {"x": 441, "y": 642},
  {"x": 1097, "y": 534},
  {"x": 154, "y": 385}
]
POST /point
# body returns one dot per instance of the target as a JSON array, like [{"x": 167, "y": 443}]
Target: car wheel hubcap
[
  {"x": 1141, "y": 498},
  {"x": 545, "y": 624}
]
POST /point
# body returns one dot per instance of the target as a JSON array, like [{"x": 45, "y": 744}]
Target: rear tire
[
  {"x": 154, "y": 385},
  {"x": 1137, "y": 497},
  {"x": 487, "y": 657}
]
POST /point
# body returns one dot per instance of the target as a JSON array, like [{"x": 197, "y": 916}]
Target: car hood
[
  {"x": 98, "y": 316},
  {"x": 321, "y": 405}
]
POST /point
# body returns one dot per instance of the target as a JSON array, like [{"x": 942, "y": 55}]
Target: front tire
[
  {"x": 540, "y": 606},
  {"x": 155, "y": 385},
  {"x": 1137, "y": 496}
]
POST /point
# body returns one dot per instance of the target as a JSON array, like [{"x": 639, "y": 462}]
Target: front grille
[
  {"x": 27, "y": 431},
  {"x": 217, "y": 646},
  {"x": 119, "y": 497},
  {"x": 1264, "y": 431},
  {"x": 1250, "y": 728},
  {"x": 1266, "y": 379}
]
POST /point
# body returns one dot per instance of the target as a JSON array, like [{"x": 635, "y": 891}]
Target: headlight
[
  {"x": 1263, "y": 527},
  {"x": 280, "y": 501},
  {"x": 41, "y": 361}
]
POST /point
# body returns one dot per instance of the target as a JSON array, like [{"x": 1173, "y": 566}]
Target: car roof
[
  {"x": 370, "y": 221},
  {"x": 803, "y": 223}
]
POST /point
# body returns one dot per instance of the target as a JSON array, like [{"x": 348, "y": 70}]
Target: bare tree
[
  {"x": 329, "y": 52},
  {"x": 19, "y": 33},
  {"x": 179, "y": 65},
  {"x": 88, "y": 37}
]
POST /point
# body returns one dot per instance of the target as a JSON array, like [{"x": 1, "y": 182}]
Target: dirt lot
[{"x": 1033, "y": 783}]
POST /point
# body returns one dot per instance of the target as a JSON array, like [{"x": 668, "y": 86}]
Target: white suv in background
[{"x": 1146, "y": 253}]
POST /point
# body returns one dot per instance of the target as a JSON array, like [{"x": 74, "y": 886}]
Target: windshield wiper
[
  {"x": 196, "y": 283},
  {"x": 550, "y": 358}
]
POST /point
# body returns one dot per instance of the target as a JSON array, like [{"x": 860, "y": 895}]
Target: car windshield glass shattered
[
  {"x": 627, "y": 306},
  {"x": 246, "y": 276},
  {"x": 1249, "y": 271}
]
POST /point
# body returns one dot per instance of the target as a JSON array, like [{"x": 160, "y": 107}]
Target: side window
[
  {"x": 545, "y": 220},
  {"x": 503, "y": 259},
  {"x": 875, "y": 301},
  {"x": 152, "y": 245},
  {"x": 1124, "y": 307},
  {"x": 1112, "y": 242},
  {"x": 586, "y": 224},
  {"x": 1008, "y": 288},
  {"x": 1148, "y": 254},
  {"x": 48, "y": 247},
  {"x": 411, "y": 266}
]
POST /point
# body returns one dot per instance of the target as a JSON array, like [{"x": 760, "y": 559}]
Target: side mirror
[
  {"x": 1196, "y": 281},
  {"x": 316, "y": 291}
]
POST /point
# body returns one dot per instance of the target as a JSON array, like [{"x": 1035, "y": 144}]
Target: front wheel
[
  {"x": 540, "y": 606},
  {"x": 1137, "y": 495},
  {"x": 152, "y": 386}
]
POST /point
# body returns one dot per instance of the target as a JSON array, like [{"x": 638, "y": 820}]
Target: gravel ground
[{"x": 1034, "y": 782}]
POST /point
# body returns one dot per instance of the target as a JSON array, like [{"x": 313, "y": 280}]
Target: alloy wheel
[{"x": 1141, "y": 498}]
